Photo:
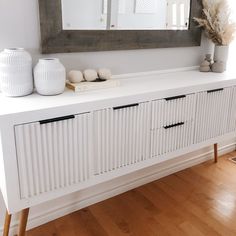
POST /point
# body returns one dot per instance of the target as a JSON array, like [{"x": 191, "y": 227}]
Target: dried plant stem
[{"x": 216, "y": 21}]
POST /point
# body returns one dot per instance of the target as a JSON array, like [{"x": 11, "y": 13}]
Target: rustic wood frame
[{"x": 56, "y": 40}]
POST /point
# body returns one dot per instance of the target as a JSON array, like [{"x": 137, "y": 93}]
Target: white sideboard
[{"x": 53, "y": 146}]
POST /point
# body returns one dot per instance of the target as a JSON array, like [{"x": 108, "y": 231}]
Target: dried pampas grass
[{"x": 216, "y": 21}]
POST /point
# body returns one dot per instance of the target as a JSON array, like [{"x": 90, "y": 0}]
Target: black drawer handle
[
  {"x": 126, "y": 106},
  {"x": 215, "y": 90},
  {"x": 175, "y": 125},
  {"x": 56, "y": 119},
  {"x": 176, "y": 97}
]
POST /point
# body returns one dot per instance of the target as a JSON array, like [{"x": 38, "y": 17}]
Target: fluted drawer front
[
  {"x": 53, "y": 155},
  {"x": 122, "y": 137},
  {"x": 171, "y": 138},
  {"x": 173, "y": 110},
  {"x": 212, "y": 116}
]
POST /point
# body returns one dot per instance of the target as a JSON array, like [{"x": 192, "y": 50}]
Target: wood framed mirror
[{"x": 56, "y": 37}]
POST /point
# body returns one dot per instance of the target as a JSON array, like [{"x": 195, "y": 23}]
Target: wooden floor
[{"x": 197, "y": 201}]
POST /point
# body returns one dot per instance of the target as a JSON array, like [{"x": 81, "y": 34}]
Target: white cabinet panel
[
  {"x": 53, "y": 154},
  {"x": 212, "y": 117},
  {"x": 122, "y": 137}
]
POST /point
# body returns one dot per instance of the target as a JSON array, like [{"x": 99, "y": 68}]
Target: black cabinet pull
[
  {"x": 56, "y": 119},
  {"x": 175, "y": 125},
  {"x": 215, "y": 90},
  {"x": 126, "y": 106},
  {"x": 174, "y": 98}
]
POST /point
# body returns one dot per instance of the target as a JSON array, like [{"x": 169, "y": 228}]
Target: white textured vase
[
  {"x": 49, "y": 77},
  {"x": 221, "y": 54},
  {"x": 16, "y": 77}
]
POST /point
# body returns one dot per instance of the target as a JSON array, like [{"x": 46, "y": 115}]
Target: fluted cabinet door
[
  {"x": 213, "y": 112},
  {"x": 121, "y": 137},
  {"x": 232, "y": 116},
  {"x": 53, "y": 155}
]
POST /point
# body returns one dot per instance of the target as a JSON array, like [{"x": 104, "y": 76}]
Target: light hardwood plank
[{"x": 197, "y": 201}]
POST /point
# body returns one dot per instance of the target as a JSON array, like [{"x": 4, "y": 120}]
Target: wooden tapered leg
[
  {"x": 7, "y": 224},
  {"x": 216, "y": 152},
  {"x": 23, "y": 222}
]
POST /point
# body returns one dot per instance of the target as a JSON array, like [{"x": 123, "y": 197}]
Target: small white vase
[
  {"x": 49, "y": 77},
  {"x": 16, "y": 77},
  {"x": 221, "y": 54}
]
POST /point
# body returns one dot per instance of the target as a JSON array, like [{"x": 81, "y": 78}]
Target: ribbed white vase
[
  {"x": 16, "y": 75},
  {"x": 49, "y": 76}
]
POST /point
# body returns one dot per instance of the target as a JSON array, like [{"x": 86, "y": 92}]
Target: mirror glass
[{"x": 125, "y": 14}]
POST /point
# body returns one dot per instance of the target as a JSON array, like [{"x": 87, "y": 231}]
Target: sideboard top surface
[{"x": 131, "y": 90}]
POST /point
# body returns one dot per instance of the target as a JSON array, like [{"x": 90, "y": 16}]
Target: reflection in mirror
[{"x": 125, "y": 14}]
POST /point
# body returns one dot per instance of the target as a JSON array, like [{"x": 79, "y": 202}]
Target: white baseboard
[{"x": 117, "y": 187}]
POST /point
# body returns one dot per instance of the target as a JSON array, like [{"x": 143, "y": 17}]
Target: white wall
[
  {"x": 19, "y": 27},
  {"x": 232, "y": 52}
]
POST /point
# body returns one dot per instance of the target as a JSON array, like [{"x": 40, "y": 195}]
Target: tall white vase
[
  {"x": 221, "y": 54},
  {"x": 49, "y": 76},
  {"x": 16, "y": 77}
]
